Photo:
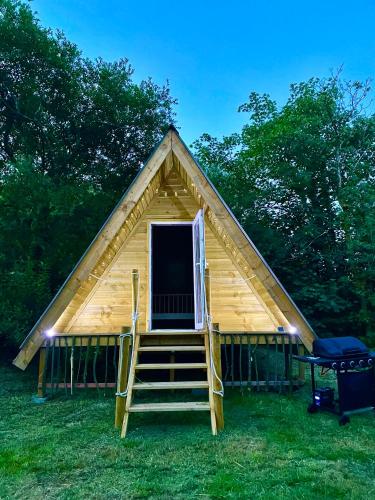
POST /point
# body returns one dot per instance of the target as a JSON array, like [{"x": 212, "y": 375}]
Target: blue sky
[{"x": 214, "y": 53}]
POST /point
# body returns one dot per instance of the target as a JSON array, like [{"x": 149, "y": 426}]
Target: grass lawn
[{"x": 271, "y": 448}]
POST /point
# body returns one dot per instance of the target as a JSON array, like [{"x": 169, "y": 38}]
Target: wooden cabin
[{"x": 171, "y": 273}]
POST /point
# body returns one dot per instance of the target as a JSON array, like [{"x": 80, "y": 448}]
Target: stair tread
[
  {"x": 168, "y": 366},
  {"x": 186, "y": 406},
  {"x": 185, "y": 384},
  {"x": 157, "y": 348}
]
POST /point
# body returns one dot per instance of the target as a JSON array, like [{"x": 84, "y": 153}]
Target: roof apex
[{"x": 173, "y": 128}]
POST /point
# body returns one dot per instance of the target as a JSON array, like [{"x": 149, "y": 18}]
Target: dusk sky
[{"x": 215, "y": 53}]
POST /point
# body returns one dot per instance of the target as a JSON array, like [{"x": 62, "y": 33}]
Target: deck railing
[
  {"x": 173, "y": 302},
  {"x": 261, "y": 361},
  {"x": 172, "y": 306},
  {"x": 79, "y": 362}
]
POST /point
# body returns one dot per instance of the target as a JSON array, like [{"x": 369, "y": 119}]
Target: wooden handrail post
[
  {"x": 218, "y": 400},
  {"x": 122, "y": 378},
  {"x": 123, "y": 369},
  {"x": 135, "y": 346}
]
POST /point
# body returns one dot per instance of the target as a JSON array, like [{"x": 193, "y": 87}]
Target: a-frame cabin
[{"x": 171, "y": 260}]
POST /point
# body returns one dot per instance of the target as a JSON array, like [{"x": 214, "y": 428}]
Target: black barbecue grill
[{"x": 353, "y": 364}]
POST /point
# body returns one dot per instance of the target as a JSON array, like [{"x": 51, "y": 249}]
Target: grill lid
[{"x": 339, "y": 347}]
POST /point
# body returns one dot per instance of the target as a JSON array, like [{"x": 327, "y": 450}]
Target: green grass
[{"x": 271, "y": 448}]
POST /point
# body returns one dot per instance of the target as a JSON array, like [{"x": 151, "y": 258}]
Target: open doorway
[{"x": 172, "y": 277}]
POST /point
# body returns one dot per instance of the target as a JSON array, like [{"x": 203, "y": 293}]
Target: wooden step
[
  {"x": 190, "y": 406},
  {"x": 161, "y": 348},
  {"x": 169, "y": 366},
  {"x": 191, "y": 384}
]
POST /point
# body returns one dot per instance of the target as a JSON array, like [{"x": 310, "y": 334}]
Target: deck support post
[
  {"x": 41, "y": 370},
  {"x": 218, "y": 400},
  {"x": 122, "y": 379}
]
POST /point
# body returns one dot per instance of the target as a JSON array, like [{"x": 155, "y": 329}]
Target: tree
[
  {"x": 301, "y": 181},
  {"x": 80, "y": 120},
  {"x": 73, "y": 134}
]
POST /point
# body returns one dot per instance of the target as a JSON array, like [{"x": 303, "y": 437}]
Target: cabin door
[
  {"x": 177, "y": 275},
  {"x": 199, "y": 269},
  {"x": 172, "y": 276}
]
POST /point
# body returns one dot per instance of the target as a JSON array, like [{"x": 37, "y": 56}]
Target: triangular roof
[{"x": 171, "y": 152}]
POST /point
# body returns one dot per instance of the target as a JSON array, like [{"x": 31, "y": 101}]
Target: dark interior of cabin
[{"x": 172, "y": 277}]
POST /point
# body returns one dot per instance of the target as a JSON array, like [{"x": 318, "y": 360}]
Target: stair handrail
[
  {"x": 211, "y": 330},
  {"x": 131, "y": 335}
]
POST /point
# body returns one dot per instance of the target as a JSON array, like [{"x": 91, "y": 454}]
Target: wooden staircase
[{"x": 169, "y": 342}]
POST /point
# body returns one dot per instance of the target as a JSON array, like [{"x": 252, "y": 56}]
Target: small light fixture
[
  {"x": 50, "y": 333},
  {"x": 292, "y": 329}
]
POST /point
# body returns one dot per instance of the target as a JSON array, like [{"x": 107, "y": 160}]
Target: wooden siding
[{"x": 107, "y": 308}]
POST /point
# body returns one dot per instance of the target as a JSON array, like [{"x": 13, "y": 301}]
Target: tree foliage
[
  {"x": 301, "y": 180},
  {"x": 73, "y": 133}
]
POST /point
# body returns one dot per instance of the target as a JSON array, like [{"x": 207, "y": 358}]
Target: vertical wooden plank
[
  {"x": 218, "y": 400},
  {"x": 122, "y": 380},
  {"x": 41, "y": 370}
]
